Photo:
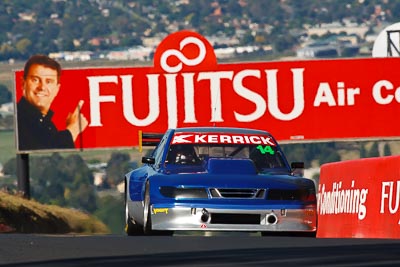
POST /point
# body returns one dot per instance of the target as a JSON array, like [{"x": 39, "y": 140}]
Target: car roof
[{"x": 220, "y": 130}]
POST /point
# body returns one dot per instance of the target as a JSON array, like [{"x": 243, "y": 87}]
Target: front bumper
[{"x": 223, "y": 219}]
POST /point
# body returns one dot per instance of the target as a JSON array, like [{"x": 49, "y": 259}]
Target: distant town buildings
[{"x": 345, "y": 39}]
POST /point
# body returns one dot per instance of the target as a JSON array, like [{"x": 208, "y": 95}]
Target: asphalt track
[{"x": 235, "y": 249}]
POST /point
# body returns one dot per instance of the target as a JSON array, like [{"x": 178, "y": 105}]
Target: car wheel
[
  {"x": 146, "y": 212},
  {"x": 147, "y": 225},
  {"x": 131, "y": 228}
]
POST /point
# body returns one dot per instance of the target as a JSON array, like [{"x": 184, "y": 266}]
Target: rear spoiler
[{"x": 149, "y": 139}]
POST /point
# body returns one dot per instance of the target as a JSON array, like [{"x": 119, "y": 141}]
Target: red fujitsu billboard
[
  {"x": 294, "y": 100},
  {"x": 360, "y": 198}
]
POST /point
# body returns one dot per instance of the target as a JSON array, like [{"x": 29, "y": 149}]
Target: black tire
[
  {"x": 131, "y": 228},
  {"x": 146, "y": 212}
]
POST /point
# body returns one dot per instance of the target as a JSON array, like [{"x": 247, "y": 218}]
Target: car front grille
[{"x": 237, "y": 193}]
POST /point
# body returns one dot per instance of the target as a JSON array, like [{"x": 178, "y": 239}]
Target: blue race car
[{"x": 218, "y": 179}]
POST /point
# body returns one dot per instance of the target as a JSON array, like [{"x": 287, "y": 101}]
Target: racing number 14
[{"x": 266, "y": 149}]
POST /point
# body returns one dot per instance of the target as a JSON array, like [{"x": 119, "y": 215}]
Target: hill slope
[{"x": 21, "y": 215}]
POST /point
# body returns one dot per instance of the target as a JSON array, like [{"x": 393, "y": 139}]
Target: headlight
[
  {"x": 302, "y": 194},
  {"x": 308, "y": 195},
  {"x": 173, "y": 192}
]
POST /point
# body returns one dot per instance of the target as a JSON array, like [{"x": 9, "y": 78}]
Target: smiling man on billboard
[{"x": 40, "y": 86}]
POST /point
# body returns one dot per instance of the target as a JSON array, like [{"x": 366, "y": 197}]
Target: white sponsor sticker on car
[{"x": 219, "y": 138}]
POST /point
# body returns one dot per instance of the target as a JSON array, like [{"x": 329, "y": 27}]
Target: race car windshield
[{"x": 263, "y": 156}]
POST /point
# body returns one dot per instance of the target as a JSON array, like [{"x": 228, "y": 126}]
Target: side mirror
[
  {"x": 297, "y": 168},
  {"x": 148, "y": 160}
]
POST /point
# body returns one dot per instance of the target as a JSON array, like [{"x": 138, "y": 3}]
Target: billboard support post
[{"x": 23, "y": 174}]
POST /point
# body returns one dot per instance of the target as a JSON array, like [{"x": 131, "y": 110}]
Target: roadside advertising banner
[
  {"x": 313, "y": 100},
  {"x": 360, "y": 198}
]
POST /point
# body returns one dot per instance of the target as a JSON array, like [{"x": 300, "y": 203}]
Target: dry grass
[{"x": 28, "y": 216}]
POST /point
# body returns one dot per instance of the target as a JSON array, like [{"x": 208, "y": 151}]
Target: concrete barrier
[{"x": 360, "y": 198}]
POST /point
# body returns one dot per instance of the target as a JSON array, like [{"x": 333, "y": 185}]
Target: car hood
[
  {"x": 231, "y": 181},
  {"x": 228, "y": 173}
]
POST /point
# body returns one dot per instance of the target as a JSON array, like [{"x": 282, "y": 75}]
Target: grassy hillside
[{"x": 20, "y": 215}]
